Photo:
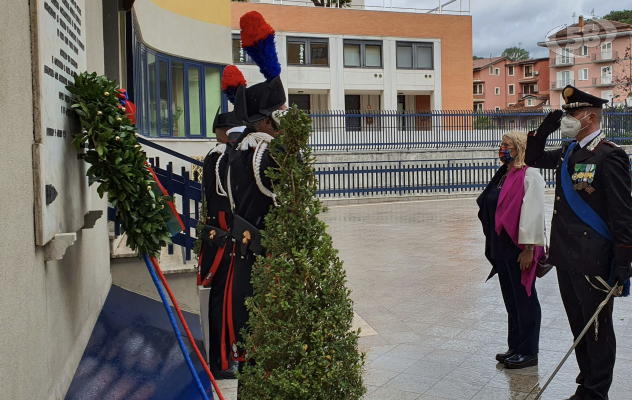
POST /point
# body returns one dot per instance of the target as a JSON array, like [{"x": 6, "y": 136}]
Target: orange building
[{"x": 337, "y": 58}]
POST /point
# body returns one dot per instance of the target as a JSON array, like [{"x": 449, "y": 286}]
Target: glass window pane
[
  {"x": 213, "y": 96},
  {"x": 404, "y": 56},
  {"x": 177, "y": 99},
  {"x": 153, "y": 100},
  {"x": 296, "y": 53},
  {"x": 424, "y": 57},
  {"x": 352, "y": 55},
  {"x": 194, "y": 102},
  {"x": 164, "y": 97},
  {"x": 238, "y": 52},
  {"x": 320, "y": 54},
  {"x": 143, "y": 80},
  {"x": 373, "y": 56}
]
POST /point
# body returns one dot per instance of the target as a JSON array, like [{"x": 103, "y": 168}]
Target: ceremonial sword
[{"x": 579, "y": 338}]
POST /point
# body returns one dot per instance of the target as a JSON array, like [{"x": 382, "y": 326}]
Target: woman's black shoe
[
  {"x": 518, "y": 361},
  {"x": 501, "y": 357}
]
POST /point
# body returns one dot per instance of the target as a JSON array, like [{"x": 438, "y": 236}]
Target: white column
[
  {"x": 336, "y": 69},
  {"x": 389, "y": 101},
  {"x": 436, "y": 99}
]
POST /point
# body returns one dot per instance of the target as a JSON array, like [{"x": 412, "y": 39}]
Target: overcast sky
[{"x": 498, "y": 24}]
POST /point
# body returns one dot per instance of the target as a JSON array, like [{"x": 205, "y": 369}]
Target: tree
[
  {"x": 516, "y": 54},
  {"x": 477, "y": 58},
  {"x": 299, "y": 332},
  {"x": 624, "y": 16}
]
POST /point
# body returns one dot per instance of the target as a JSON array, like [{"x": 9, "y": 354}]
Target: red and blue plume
[
  {"x": 231, "y": 80},
  {"x": 257, "y": 39}
]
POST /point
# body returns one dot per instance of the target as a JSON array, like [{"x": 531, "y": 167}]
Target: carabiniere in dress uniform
[{"x": 591, "y": 229}]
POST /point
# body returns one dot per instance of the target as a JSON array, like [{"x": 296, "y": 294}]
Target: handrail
[{"x": 167, "y": 150}]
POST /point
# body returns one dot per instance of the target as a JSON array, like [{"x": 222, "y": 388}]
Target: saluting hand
[
  {"x": 525, "y": 259},
  {"x": 550, "y": 124}
]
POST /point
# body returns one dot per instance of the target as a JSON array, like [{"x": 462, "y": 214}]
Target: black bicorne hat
[
  {"x": 575, "y": 99},
  {"x": 259, "y": 101},
  {"x": 226, "y": 120}
]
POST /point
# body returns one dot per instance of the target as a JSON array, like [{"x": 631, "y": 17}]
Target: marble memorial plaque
[{"x": 62, "y": 195}]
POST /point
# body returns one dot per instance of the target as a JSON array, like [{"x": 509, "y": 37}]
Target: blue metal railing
[
  {"x": 405, "y": 130},
  {"x": 339, "y": 180}
]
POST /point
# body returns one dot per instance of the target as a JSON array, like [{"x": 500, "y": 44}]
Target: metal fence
[
  {"x": 404, "y": 130},
  {"x": 407, "y": 178}
]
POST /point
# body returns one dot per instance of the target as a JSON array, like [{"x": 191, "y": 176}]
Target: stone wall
[{"x": 48, "y": 309}]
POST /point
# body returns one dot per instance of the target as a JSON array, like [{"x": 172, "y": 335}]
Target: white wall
[
  {"x": 386, "y": 81},
  {"x": 48, "y": 309}
]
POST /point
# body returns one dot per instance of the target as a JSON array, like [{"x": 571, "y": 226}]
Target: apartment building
[
  {"x": 360, "y": 59},
  {"x": 598, "y": 63},
  {"x": 500, "y": 84}
]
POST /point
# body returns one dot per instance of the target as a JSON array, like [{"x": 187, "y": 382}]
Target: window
[
  {"x": 564, "y": 78},
  {"x": 511, "y": 90},
  {"x": 606, "y": 51},
  {"x": 528, "y": 71},
  {"x": 510, "y": 70},
  {"x": 363, "y": 54},
  {"x": 308, "y": 51},
  {"x": 478, "y": 107},
  {"x": 564, "y": 56},
  {"x": 583, "y": 74},
  {"x": 478, "y": 88},
  {"x": 530, "y": 102},
  {"x": 239, "y": 55},
  {"x": 497, "y": 91},
  {"x": 412, "y": 55},
  {"x": 497, "y": 71},
  {"x": 497, "y": 108},
  {"x": 175, "y": 98},
  {"x": 583, "y": 51},
  {"x": 491, "y": 70},
  {"x": 510, "y": 104},
  {"x": 606, "y": 75}
]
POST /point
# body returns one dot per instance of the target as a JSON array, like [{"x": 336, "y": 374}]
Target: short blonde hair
[{"x": 519, "y": 140}]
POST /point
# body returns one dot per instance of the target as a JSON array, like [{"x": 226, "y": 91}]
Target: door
[
  {"x": 352, "y": 106},
  {"x": 302, "y": 101},
  {"x": 606, "y": 75},
  {"x": 401, "y": 107},
  {"x": 606, "y": 51}
]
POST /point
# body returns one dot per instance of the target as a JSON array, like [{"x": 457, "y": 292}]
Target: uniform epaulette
[{"x": 611, "y": 143}]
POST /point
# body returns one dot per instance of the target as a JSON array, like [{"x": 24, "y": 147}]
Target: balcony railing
[
  {"x": 479, "y": 97},
  {"x": 604, "y": 56},
  {"x": 561, "y": 84},
  {"x": 456, "y": 7},
  {"x": 559, "y": 62},
  {"x": 603, "y": 81}
]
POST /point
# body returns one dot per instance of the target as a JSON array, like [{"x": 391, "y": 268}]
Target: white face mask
[
  {"x": 277, "y": 115},
  {"x": 571, "y": 126}
]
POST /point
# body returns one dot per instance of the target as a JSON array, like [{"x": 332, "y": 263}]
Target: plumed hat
[
  {"x": 232, "y": 78},
  {"x": 261, "y": 100}
]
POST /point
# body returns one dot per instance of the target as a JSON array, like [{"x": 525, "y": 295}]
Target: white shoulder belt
[{"x": 259, "y": 141}]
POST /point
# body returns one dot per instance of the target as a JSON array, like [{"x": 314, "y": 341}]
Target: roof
[
  {"x": 574, "y": 30},
  {"x": 520, "y": 104},
  {"x": 486, "y": 62},
  {"x": 529, "y": 61}
]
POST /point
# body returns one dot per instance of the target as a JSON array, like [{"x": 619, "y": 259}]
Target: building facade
[
  {"x": 500, "y": 84},
  {"x": 334, "y": 59},
  {"x": 600, "y": 66},
  {"x": 55, "y": 261}
]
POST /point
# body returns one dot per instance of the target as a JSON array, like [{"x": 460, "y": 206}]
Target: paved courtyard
[{"x": 431, "y": 324}]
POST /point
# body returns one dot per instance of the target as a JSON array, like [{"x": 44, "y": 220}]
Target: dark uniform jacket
[
  {"x": 218, "y": 212},
  {"x": 253, "y": 206},
  {"x": 574, "y": 245}
]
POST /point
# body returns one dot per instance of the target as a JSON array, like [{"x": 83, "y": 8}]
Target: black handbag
[{"x": 543, "y": 267}]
